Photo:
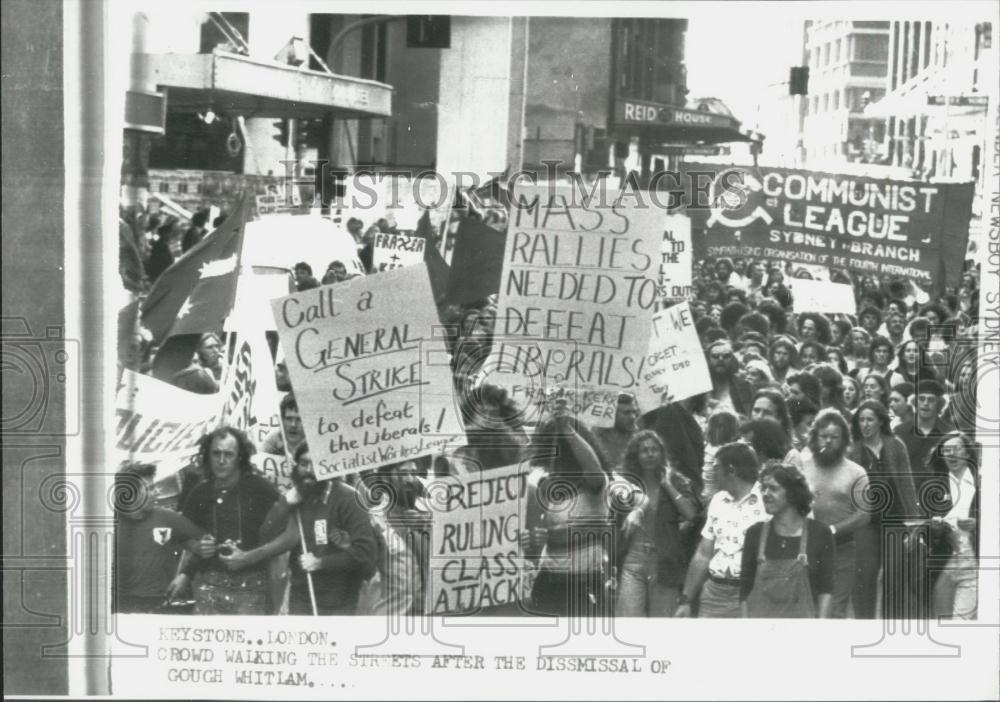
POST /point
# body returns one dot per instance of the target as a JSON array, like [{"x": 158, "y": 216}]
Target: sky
[{"x": 730, "y": 58}]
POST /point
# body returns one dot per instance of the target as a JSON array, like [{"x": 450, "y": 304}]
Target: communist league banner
[{"x": 871, "y": 226}]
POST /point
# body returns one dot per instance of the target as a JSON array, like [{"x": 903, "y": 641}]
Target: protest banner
[
  {"x": 393, "y": 251},
  {"x": 475, "y": 549},
  {"x": 675, "y": 367},
  {"x": 159, "y": 423},
  {"x": 676, "y": 259},
  {"x": 577, "y": 292},
  {"x": 373, "y": 384},
  {"x": 822, "y": 296},
  {"x": 874, "y": 226}
]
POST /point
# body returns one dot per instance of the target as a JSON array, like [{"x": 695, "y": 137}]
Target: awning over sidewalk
[
  {"x": 667, "y": 123},
  {"x": 931, "y": 92},
  {"x": 236, "y": 84}
]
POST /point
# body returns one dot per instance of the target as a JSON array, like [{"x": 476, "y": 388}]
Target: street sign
[
  {"x": 644, "y": 113},
  {"x": 958, "y": 100},
  {"x": 694, "y": 150}
]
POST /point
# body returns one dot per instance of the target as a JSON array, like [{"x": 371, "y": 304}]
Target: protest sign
[
  {"x": 475, "y": 550},
  {"x": 577, "y": 292},
  {"x": 372, "y": 383},
  {"x": 159, "y": 423},
  {"x": 675, "y": 367},
  {"x": 393, "y": 251},
  {"x": 676, "y": 259},
  {"x": 274, "y": 467},
  {"x": 870, "y": 225},
  {"x": 821, "y": 296}
]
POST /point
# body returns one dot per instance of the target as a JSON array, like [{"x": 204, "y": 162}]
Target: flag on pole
[
  {"x": 437, "y": 269},
  {"x": 476, "y": 263},
  {"x": 197, "y": 292}
]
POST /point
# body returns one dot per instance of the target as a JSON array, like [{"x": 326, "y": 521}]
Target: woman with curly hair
[
  {"x": 880, "y": 353},
  {"x": 811, "y": 353},
  {"x": 813, "y": 327},
  {"x": 788, "y": 560},
  {"x": 654, "y": 558}
]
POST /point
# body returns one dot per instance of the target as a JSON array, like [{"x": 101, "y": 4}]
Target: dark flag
[
  {"x": 437, "y": 269},
  {"x": 197, "y": 292},
  {"x": 477, "y": 262}
]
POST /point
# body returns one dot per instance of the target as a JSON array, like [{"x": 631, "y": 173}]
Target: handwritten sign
[
  {"x": 372, "y": 385},
  {"x": 274, "y": 467},
  {"x": 675, "y": 365},
  {"x": 821, "y": 296},
  {"x": 577, "y": 292},
  {"x": 475, "y": 551},
  {"x": 675, "y": 259},
  {"x": 393, "y": 251}
]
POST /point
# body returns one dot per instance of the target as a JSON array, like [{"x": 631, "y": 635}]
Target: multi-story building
[
  {"x": 248, "y": 92},
  {"x": 937, "y": 100},
  {"x": 848, "y": 68}
]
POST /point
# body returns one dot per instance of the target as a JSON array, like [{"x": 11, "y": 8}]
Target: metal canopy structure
[{"x": 234, "y": 84}]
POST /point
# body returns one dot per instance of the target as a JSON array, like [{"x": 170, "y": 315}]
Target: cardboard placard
[
  {"x": 676, "y": 259},
  {"x": 475, "y": 549},
  {"x": 393, "y": 251},
  {"x": 822, "y": 296},
  {"x": 373, "y": 385},
  {"x": 675, "y": 367},
  {"x": 577, "y": 292}
]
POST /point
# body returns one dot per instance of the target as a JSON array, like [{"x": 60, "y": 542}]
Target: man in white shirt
[{"x": 714, "y": 573}]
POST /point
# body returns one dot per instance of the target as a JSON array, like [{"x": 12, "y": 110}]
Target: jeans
[
  {"x": 845, "y": 570},
  {"x": 956, "y": 591},
  {"x": 639, "y": 592},
  {"x": 719, "y": 601}
]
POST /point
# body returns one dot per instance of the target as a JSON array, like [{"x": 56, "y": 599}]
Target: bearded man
[
  {"x": 729, "y": 390},
  {"x": 340, "y": 548},
  {"x": 840, "y": 487}
]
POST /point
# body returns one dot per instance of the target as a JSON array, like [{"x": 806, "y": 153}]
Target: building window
[
  {"x": 836, "y": 99},
  {"x": 826, "y": 102},
  {"x": 871, "y": 47},
  {"x": 164, "y": 187}
]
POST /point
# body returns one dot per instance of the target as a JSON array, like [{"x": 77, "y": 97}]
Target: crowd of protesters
[{"x": 830, "y": 450}]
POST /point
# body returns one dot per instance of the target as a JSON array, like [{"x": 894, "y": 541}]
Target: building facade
[{"x": 848, "y": 69}]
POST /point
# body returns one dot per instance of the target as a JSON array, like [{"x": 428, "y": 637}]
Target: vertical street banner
[
  {"x": 872, "y": 226},
  {"x": 475, "y": 551},
  {"x": 393, "y": 251},
  {"x": 675, "y": 367},
  {"x": 676, "y": 260},
  {"x": 577, "y": 292},
  {"x": 372, "y": 381}
]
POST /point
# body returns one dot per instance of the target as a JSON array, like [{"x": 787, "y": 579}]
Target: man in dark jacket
[{"x": 340, "y": 549}]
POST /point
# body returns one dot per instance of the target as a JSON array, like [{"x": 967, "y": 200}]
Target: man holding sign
[{"x": 333, "y": 544}]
